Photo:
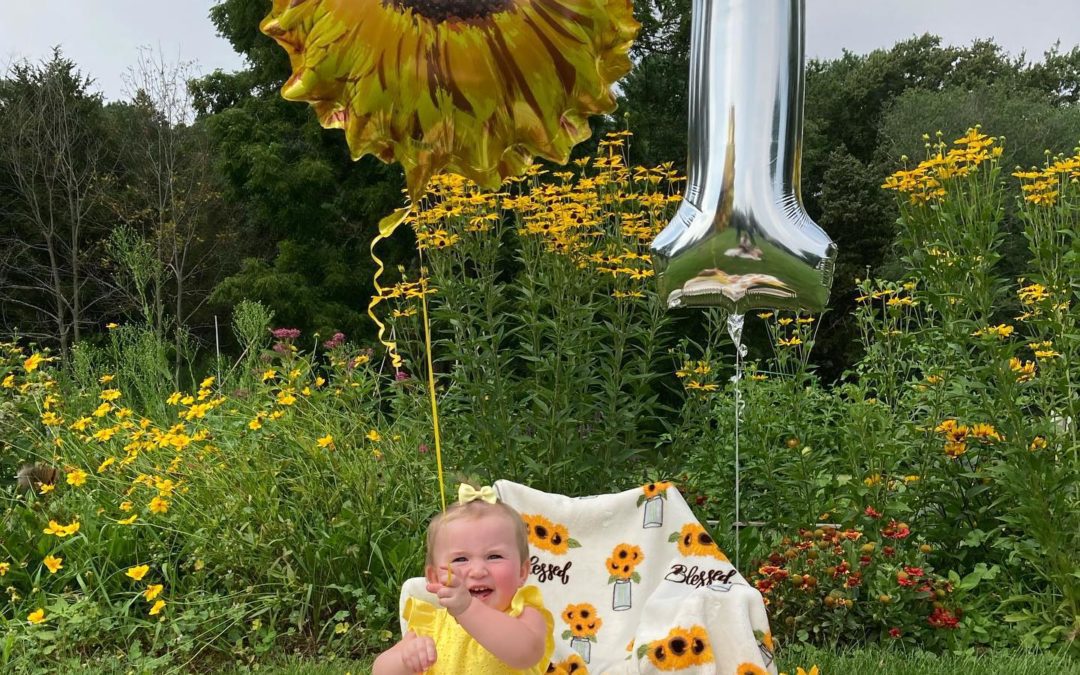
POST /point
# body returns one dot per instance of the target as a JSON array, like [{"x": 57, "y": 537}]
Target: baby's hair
[{"x": 476, "y": 509}]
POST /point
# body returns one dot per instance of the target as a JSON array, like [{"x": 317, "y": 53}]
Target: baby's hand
[
  {"x": 452, "y": 593},
  {"x": 418, "y": 654}
]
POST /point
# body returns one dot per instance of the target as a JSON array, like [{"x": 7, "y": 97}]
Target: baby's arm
[
  {"x": 516, "y": 641},
  {"x": 414, "y": 654}
]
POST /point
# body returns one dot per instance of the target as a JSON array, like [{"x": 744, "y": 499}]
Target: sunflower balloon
[{"x": 473, "y": 87}]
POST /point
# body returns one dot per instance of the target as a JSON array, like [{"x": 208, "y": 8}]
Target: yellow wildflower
[
  {"x": 137, "y": 572},
  {"x": 326, "y": 441},
  {"x": 207, "y": 383},
  {"x": 152, "y": 591},
  {"x": 174, "y": 398},
  {"x": 1037, "y": 443},
  {"x": 53, "y": 563},
  {"x": 102, "y": 410},
  {"x": 158, "y": 606},
  {"x": 129, "y": 520},
  {"x": 36, "y": 616},
  {"x": 104, "y": 465},
  {"x": 62, "y": 531},
  {"x": 31, "y": 364},
  {"x": 373, "y": 435},
  {"x": 159, "y": 505},
  {"x": 255, "y": 424},
  {"x": 81, "y": 424},
  {"x": 985, "y": 432},
  {"x": 126, "y": 506},
  {"x": 76, "y": 477},
  {"x": 4, "y": 567},
  {"x": 285, "y": 397},
  {"x": 110, "y": 394},
  {"x": 9, "y": 382},
  {"x": 269, "y": 374}
]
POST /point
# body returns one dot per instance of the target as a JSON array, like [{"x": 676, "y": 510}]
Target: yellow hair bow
[{"x": 467, "y": 493}]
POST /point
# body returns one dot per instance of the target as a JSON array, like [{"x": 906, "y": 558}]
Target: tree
[
  {"x": 55, "y": 168},
  {"x": 170, "y": 198}
]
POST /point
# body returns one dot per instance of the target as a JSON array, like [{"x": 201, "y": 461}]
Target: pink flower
[
  {"x": 871, "y": 512},
  {"x": 401, "y": 376},
  {"x": 335, "y": 341},
  {"x": 281, "y": 348},
  {"x": 423, "y": 449},
  {"x": 285, "y": 333},
  {"x": 895, "y": 633}
]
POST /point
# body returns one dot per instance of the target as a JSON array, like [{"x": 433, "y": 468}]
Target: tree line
[{"x": 171, "y": 207}]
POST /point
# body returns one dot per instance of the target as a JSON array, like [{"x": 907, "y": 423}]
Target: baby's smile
[{"x": 481, "y": 592}]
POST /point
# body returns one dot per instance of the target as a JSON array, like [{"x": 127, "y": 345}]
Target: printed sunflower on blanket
[{"x": 640, "y": 585}]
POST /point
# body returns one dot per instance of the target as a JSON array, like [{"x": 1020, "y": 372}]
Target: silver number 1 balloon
[{"x": 741, "y": 238}]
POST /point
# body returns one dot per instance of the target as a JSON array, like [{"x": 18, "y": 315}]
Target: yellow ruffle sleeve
[{"x": 458, "y": 652}]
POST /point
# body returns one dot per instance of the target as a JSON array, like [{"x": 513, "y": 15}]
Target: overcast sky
[{"x": 103, "y": 36}]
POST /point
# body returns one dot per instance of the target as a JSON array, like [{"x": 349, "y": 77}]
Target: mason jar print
[
  {"x": 582, "y": 626},
  {"x": 583, "y": 646},
  {"x": 621, "y": 568},
  {"x": 620, "y": 596},
  {"x": 654, "y": 512},
  {"x": 653, "y": 496}
]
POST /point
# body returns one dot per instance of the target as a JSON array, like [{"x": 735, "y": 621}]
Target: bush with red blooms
[{"x": 872, "y": 581}]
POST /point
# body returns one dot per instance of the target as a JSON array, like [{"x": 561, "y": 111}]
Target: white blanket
[{"x": 636, "y": 585}]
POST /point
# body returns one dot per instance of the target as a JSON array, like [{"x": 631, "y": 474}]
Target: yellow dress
[{"x": 457, "y": 652}]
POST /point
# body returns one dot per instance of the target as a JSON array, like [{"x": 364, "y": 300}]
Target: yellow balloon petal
[{"x": 479, "y": 95}]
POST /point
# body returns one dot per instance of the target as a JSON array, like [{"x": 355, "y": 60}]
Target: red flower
[
  {"x": 864, "y": 560},
  {"x": 895, "y": 530},
  {"x": 854, "y": 580},
  {"x": 914, "y": 571},
  {"x": 942, "y": 618},
  {"x": 871, "y": 512},
  {"x": 895, "y": 633},
  {"x": 888, "y": 551},
  {"x": 764, "y": 585},
  {"x": 903, "y": 579}
]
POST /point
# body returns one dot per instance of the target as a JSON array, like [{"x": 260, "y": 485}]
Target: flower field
[{"x": 273, "y": 503}]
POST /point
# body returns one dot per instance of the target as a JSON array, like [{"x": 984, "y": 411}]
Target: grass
[
  {"x": 869, "y": 660},
  {"x": 896, "y": 662}
]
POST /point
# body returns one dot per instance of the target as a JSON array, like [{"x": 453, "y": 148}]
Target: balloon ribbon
[{"x": 387, "y": 226}]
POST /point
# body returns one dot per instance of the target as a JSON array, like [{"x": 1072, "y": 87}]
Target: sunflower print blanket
[{"x": 637, "y": 585}]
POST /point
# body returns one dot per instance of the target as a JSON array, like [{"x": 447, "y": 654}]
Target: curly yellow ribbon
[{"x": 387, "y": 226}]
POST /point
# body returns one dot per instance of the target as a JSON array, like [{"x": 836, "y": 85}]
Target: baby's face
[{"x": 482, "y": 553}]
